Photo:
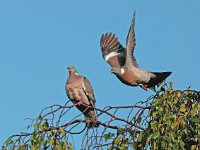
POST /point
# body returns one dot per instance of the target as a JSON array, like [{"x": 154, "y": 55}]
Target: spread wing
[
  {"x": 130, "y": 45},
  {"x": 87, "y": 88},
  {"x": 112, "y": 50}
]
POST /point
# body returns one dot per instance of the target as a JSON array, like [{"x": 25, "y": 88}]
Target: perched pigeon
[
  {"x": 80, "y": 92},
  {"x": 124, "y": 64}
]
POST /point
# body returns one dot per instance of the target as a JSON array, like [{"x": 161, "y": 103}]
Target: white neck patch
[
  {"x": 76, "y": 74},
  {"x": 122, "y": 70}
]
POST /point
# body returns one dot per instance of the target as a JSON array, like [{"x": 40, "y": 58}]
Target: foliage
[
  {"x": 173, "y": 122},
  {"x": 41, "y": 138},
  {"x": 169, "y": 119}
]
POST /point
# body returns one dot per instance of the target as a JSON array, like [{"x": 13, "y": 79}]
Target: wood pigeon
[
  {"x": 124, "y": 64},
  {"x": 79, "y": 91}
]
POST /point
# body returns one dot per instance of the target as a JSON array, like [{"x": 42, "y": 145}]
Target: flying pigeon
[
  {"x": 124, "y": 64},
  {"x": 80, "y": 92}
]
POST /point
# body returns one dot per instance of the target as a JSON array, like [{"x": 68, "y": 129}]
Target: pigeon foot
[{"x": 144, "y": 87}]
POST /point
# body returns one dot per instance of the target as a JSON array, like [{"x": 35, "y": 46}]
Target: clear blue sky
[{"x": 39, "y": 39}]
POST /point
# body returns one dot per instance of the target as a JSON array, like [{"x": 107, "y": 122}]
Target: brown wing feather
[
  {"x": 110, "y": 45},
  {"x": 130, "y": 45},
  {"x": 87, "y": 88}
]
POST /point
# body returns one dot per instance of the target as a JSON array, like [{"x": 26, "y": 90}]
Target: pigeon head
[
  {"x": 71, "y": 69},
  {"x": 117, "y": 70}
]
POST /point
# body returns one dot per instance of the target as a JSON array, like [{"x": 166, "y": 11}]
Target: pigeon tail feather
[
  {"x": 89, "y": 113},
  {"x": 159, "y": 77},
  {"x": 90, "y": 116}
]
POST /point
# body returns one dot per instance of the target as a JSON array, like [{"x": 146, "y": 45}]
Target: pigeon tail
[
  {"x": 89, "y": 115},
  {"x": 159, "y": 77},
  {"x": 92, "y": 123}
]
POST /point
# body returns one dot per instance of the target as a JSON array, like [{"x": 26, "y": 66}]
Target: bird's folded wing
[
  {"x": 112, "y": 50},
  {"x": 87, "y": 88}
]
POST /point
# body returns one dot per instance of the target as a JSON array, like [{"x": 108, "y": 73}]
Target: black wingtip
[
  {"x": 134, "y": 14},
  {"x": 133, "y": 19}
]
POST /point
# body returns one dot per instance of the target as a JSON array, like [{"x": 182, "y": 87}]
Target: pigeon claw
[{"x": 144, "y": 87}]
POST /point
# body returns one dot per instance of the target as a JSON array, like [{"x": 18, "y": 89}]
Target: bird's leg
[{"x": 144, "y": 87}]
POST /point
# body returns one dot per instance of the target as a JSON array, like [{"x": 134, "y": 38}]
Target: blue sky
[{"x": 39, "y": 39}]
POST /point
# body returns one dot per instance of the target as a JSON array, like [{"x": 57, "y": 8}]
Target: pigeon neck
[{"x": 74, "y": 73}]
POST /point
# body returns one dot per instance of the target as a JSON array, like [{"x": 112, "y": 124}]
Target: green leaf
[
  {"x": 170, "y": 85},
  {"x": 22, "y": 147},
  {"x": 108, "y": 136},
  {"x": 40, "y": 118},
  {"x": 162, "y": 144},
  {"x": 9, "y": 142},
  {"x": 194, "y": 147},
  {"x": 160, "y": 112},
  {"x": 182, "y": 109},
  {"x": 194, "y": 120},
  {"x": 153, "y": 124},
  {"x": 46, "y": 125},
  {"x": 62, "y": 130},
  {"x": 148, "y": 139},
  {"x": 34, "y": 135},
  {"x": 18, "y": 140},
  {"x": 155, "y": 114},
  {"x": 139, "y": 119},
  {"x": 155, "y": 135},
  {"x": 34, "y": 148},
  {"x": 36, "y": 127},
  {"x": 61, "y": 145},
  {"x": 51, "y": 141},
  {"x": 182, "y": 144},
  {"x": 117, "y": 141},
  {"x": 157, "y": 101},
  {"x": 168, "y": 139},
  {"x": 134, "y": 118},
  {"x": 172, "y": 135},
  {"x": 3, "y": 148},
  {"x": 120, "y": 131},
  {"x": 51, "y": 133},
  {"x": 149, "y": 113},
  {"x": 179, "y": 94}
]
